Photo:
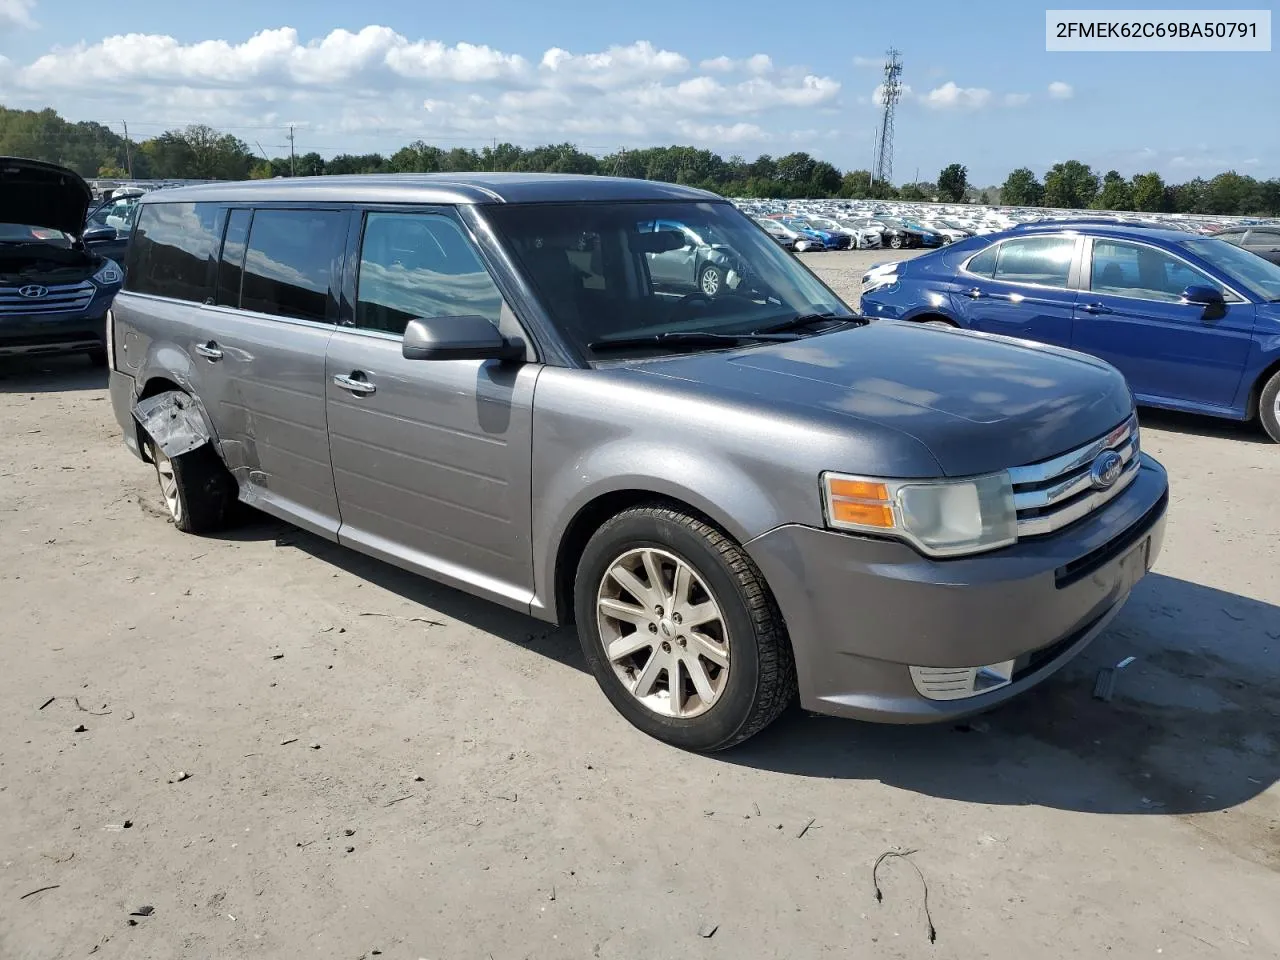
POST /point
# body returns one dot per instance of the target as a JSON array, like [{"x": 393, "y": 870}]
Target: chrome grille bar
[
  {"x": 1055, "y": 493},
  {"x": 59, "y": 299}
]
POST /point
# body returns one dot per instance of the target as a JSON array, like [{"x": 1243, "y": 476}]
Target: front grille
[
  {"x": 65, "y": 298},
  {"x": 1056, "y": 493}
]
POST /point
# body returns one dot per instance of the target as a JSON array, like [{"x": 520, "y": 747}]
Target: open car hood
[{"x": 43, "y": 195}]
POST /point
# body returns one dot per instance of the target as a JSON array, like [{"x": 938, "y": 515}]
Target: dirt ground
[{"x": 376, "y": 765}]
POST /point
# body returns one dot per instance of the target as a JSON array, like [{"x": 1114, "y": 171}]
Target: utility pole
[
  {"x": 292, "y": 171},
  {"x": 128, "y": 154}
]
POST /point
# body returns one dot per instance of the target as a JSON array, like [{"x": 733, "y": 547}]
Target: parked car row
[{"x": 954, "y": 222}]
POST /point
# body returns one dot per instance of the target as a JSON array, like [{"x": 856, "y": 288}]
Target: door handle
[
  {"x": 210, "y": 350},
  {"x": 973, "y": 293},
  {"x": 355, "y": 382},
  {"x": 1095, "y": 308}
]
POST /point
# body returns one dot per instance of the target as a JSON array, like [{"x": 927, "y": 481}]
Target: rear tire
[
  {"x": 199, "y": 493},
  {"x": 710, "y": 618},
  {"x": 1269, "y": 407},
  {"x": 896, "y": 243}
]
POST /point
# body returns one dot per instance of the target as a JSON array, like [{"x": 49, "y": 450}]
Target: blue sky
[{"x": 746, "y": 78}]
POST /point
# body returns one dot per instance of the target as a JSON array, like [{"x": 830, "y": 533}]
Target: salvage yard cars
[{"x": 735, "y": 498}]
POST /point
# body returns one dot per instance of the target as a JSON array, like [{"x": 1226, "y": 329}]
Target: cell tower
[{"x": 890, "y": 93}]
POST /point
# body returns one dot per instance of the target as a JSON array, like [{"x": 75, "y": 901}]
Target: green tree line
[{"x": 203, "y": 153}]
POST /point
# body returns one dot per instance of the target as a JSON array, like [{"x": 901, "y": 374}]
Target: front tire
[
  {"x": 681, "y": 631},
  {"x": 896, "y": 243},
  {"x": 198, "y": 492},
  {"x": 1269, "y": 407},
  {"x": 710, "y": 280}
]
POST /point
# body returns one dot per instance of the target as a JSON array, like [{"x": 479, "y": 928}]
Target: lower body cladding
[
  {"x": 30, "y": 334},
  {"x": 882, "y": 633}
]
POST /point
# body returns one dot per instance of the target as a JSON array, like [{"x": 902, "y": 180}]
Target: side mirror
[
  {"x": 98, "y": 234},
  {"x": 467, "y": 337},
  {"x": 1204, "y": 295}
]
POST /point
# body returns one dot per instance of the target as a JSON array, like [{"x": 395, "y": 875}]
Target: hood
[
  {"x": 978, "y": 403},
  {"x": 43, "y": 195}
]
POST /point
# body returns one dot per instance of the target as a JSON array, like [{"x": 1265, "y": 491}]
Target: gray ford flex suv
[
  {"x": 55, "y": 287},
  {"x": 736, "y": 498}
]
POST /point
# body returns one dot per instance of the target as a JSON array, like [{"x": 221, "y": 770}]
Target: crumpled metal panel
[{"x": 173, "y": 421}]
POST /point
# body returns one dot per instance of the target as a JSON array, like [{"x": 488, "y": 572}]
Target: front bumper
[
  {"x": 26, "y": 335},
  {"x": 863, "y": 613}
]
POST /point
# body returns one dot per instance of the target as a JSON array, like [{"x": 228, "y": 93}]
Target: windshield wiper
[
  {"x": 688, "y": 338},
  {"x": 808, "y": 320}
]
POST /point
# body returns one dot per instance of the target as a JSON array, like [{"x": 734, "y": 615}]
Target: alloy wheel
[
  {"x": 664, "y": 633},
  {"x": 168, "y": 483}
]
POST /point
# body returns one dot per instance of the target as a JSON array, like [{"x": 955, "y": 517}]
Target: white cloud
[
  {"x": 384, "y": 89},
  {"x": 949, "y": 96},
  {"x": 1059, "y": 90},
  {"x": 17, "y": 14},
  {"x": 1016, "y": 99}
]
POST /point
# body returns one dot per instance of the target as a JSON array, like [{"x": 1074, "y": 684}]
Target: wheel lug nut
[
  {"x": 677, "y": 618},
  {"x": 653, "y": 628},
  {"x": 666, "y": 647},
  {"x": 680, "y": 640},
  {"x": 658, "y": 611}
]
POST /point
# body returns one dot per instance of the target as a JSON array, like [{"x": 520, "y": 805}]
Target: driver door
[
  {"x": 1131, "y": 314},
  {"x": 431, "y": 458}
]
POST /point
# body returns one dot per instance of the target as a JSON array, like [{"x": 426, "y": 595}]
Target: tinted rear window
[
  {"x": 172, "y": 251},
  {"x": 292, "y": 262}
]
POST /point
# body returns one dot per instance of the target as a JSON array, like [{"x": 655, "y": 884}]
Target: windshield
[
  {"x": 603, "y": 272},
  {"x": 26, "y": 233},
  {"x": 1260, "y": 277}
]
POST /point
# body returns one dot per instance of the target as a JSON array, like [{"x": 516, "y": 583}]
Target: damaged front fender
[{"x": 173, "y": 421}]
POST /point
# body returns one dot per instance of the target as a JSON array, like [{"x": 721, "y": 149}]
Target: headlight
[
  {"x": 941, "y": 518},
  {"x": 108, "y": 273},
  {"x": 874, "y": 281}
]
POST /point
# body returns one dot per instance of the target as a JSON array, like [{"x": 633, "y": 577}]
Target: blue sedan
[{"x": 1192, "y": 322}]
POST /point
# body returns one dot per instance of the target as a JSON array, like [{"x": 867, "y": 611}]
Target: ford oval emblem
[
  {"x": 32, "y": 291},
  {"x": 1106, "y": 469}
]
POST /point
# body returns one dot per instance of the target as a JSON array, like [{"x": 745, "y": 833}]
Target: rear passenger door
[
  {"x": 1023, "y": 288},
  {"x": 431, "y": 458},
  {"x": 264, "y": 338}
]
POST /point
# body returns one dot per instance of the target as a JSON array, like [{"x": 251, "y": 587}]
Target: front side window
[
  {"x": 615, "y": 296},
  {"x": 1135, "y": 270},
  {"x": 117, "y": 214},
  {"x": 1245, "y": 269},
  {"x": 291, "y": 262},
  {"x": 418, "y": 266},
  {"x": 172, "y": 251},
  {"x": 1043, "y": 261}
]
